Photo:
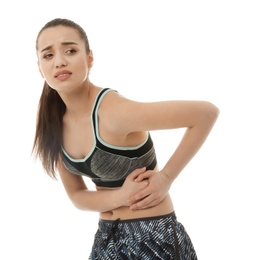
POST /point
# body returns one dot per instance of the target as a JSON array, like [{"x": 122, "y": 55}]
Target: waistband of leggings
[{"x": 171, "y": 215}]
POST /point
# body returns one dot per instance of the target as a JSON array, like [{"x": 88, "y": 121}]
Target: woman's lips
[{"x": 62, "y": 75}]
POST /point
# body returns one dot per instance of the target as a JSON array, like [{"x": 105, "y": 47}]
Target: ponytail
[{"x": 48, "y": 135}]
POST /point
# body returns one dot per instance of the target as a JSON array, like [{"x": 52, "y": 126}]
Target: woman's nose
[{"x": 60, "y": 62}]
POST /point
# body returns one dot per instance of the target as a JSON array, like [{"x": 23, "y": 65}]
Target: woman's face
[{"x": 62, "y": 58}]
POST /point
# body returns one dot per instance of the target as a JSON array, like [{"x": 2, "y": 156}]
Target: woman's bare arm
[
  {"x": 102, "y": 200},
  {"x": 198, "y": 117}
]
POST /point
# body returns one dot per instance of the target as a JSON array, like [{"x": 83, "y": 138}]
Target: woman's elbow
[
  {"x": 211, "y": 113},
  {"x": 76, "y": 199}
]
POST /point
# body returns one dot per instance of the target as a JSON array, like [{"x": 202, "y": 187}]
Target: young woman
[{"x": 86, "y": 130}]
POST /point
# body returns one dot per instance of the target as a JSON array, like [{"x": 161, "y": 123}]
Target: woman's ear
[{"x": 90, "y": 59}]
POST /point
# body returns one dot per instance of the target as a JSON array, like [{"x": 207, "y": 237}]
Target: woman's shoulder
[{"x": 111, "y": 99}]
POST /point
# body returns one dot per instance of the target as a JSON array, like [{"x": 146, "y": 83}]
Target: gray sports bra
[{"x": 108, "y": 165}]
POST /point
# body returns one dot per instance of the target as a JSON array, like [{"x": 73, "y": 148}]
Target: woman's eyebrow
[{"x": 62, "y": 43}]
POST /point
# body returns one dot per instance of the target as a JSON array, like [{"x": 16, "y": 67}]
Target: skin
[{"x": 122, "y": 122}]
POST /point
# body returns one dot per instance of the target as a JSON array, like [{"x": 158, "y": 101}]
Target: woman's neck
[{"x": 80, "y": 103}]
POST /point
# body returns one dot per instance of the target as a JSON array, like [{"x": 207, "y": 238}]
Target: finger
[
  {"x": 148, "y": 202},
  {"x": 142, "y": 176},
  {"x": 139, "y": 196},
  {"x": 136, "y": 173}
]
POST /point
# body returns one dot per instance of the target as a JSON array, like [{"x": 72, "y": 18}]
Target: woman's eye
[
  {"x": 47, "y": 56},
  {"x": 71, "y": 51}
]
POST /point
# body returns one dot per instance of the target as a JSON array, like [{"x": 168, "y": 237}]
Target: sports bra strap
[{"x": 97, "y": 103}]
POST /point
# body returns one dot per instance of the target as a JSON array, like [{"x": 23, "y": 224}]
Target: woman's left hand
[{"x": 154, "y": 193}]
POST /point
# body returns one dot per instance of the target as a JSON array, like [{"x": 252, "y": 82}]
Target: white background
[{"x": 148, "y": 51}]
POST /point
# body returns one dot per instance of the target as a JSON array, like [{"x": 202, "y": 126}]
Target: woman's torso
[{"x": 76, "y": 138}]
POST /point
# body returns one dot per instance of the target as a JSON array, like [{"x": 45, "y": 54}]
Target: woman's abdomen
[{"x": 164, "y": 207}]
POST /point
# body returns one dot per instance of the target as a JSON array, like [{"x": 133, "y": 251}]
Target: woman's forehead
[{"x": 58, "y": 34}]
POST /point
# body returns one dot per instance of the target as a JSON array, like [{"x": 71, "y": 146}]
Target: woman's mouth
[{"x": 62, "y": 75}]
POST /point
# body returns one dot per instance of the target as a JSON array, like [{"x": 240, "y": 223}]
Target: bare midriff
[{"x": 163, "y": 208}]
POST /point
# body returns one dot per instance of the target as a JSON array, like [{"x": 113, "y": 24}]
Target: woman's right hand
[{"x": 130, "y": 187}]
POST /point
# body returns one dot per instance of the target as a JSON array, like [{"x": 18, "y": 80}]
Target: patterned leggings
[{"x": 161, "y": 237}]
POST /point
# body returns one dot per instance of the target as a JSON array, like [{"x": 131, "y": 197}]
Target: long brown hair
[{"x": 48, "y": 135}]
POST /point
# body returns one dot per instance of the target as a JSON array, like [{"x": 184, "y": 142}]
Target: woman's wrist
[
  {"x": 118, "y": 199},
  {"x": 167, "y": 176}
]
